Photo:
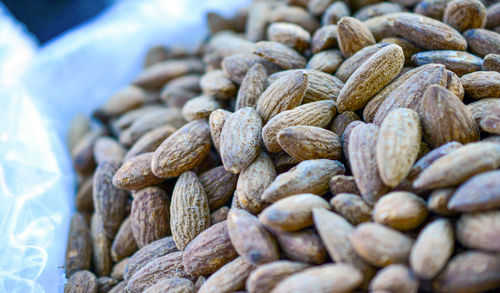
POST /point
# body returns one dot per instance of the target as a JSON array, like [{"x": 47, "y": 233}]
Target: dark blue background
[{"x": 48, "y": 18}]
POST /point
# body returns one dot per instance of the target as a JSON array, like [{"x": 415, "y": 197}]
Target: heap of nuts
[{"x": 300, "y": 149}]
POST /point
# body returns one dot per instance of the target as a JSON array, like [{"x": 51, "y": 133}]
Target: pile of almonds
[{"x": 300, "y": 149}]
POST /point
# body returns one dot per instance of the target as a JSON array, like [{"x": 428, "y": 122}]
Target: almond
[
  {"x": 479, "y": 230},
  {"x": 483, "y": 84},
  {"x": 353, "y": 36},
  {"x": 352, "y": 207},
  {"x": 309, "y": 142},
  {"x": 465, "y": 14},
  {"x": 252, "y": 87},
  {"x": 216, "y": 120},
  {"x": 303, "y": 246},
  {"x": 219, "y": 186},
  {"x": 279, "y": 54},
  {"x": 229, "y": 278},
  {"x": 479, "y": 193},
  {"x": 265, "y": 277},
  {"x": 395, "y": 278},
  {"x": 79, "y": 246}
]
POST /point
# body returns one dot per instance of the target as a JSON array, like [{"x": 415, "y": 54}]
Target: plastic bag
[{"x": 42, "y": 90}]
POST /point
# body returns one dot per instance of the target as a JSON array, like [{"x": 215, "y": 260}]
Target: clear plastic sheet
[{"x": 42, "y": 89}]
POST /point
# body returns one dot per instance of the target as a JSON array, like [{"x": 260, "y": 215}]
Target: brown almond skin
[
  {"x": 398, "y": 145},
  {"x": 265, "y": 277},
  {"x": 150, "y": 141},
  {"x": 173, "y": 285},
  {"x": 436, "y": 236},
  {"x": 292, "y": 213},
  {"x": 378, "y": 71},
  {"x": 209, "y": 251},
  {"x": 345, "y": 138},
  {"x": 216, "y": 84},
  {"x": 327, "y": 61},
  {"x": 458, "y": 62},
  {"x": 409, "y": 49},
  {"x": 480, "y": 108},
  {"x": 294, "y": 15},
  {"x": 250, "y": 239},
  {"x": 428, "y": 33},
  {"x": 479, "y": 230},
  {"x": 279, "y": 54},
  {"x": 79, "y": 246},
  {"x": 493, "y": 19},
  {"x": 289, "y": 34},
  {"x": 335, "y": 232},
  {"x": 236, "y": 66},
  {"x": 395, "y": 278},
  {"x": 479, "y": 193},
  {"x": 465, "y": 14},
  {"x": 136, "y": 173},
  {"x": 324, "y": 38},
  {"x": 253, "y": 181},
  {"x": 283, "y": 94},
  {"x": 409, "y": 93},
  {"x": 84, "y": 201},
  {"x": 380, "y": 245},
  {"x": 149, "y": 215},
  {"x": 400, "y": 210},
  {"x": 109, "y": 201},
  {"x": 240, "y": 139},
  {"x": 432, "y": 8},
  {"x": 363, "y": 162},
  {"x": 83, "y": 153},
  {"x": 312, "y": 114},
  {"x": 153, "y": 250},
  {"x": 107, "y": 148},
  {"x": 158, "y": 74},
  {"x": 189, "y": 211},
  {"x": 353, "y": 36},
  {"x": 491, "y": 62},
  {"x": 318, "y": 173},
  {"x": 334, "y": 13},
  {"x": 303, "y": 246},
  {"x": 349, "y": 66},
  {"x": 183, "y": 150},
  {"x": 284, "y": 162},
  {"x": 100, "y": 247},
  {"x": 334, "y": 278},
  {"x": 219, "y": 215},
  {"x": 454, "y": 85},
  {"x": 377, "y": 9},
  {"x": 432, "y": 156},
  {"x": 216, "y": 121},
  {"x": 484, "y": 84},
  {"x": 352, "y": 207},
  {"x": 119, "y": 288},
  {"x": 219, "y": 186},
  {"x": 438, "y": 201},
  {"x": 482, "y": 42},
  {"x": 339, "y": 124},
  {"x": 81, "y": 282},
  {"x": 252, "y": 86},
  {"x": 118, "y": 270},
  {"x": 309, "y": 143},
  {"x": 199, "y": 107},
  {"x": 469, "y": 271},
  {"x": 491, "y": 121},
  {"x": 459, "y": 165},
  {"x": 230, "y": 278},
  {"x": 167, "y": 266},
  {"x": 105, "y": 284}
]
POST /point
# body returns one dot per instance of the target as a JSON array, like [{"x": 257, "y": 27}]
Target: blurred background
[{"x": 46, "y": 19}]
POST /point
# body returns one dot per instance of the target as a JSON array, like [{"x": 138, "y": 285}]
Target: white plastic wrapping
[{"x": 42, "y": 89}]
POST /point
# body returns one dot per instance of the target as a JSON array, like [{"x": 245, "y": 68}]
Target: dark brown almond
[
  {"x": 253, "y": 181},
  {"x": 432, "y": 8},
  {"x": 438, "y": 201},
  {"x": 292, "y": 213},
  {"x": 189, "y": 211},
  {"x": 219, "y": 186},
  {"x": 250, "y": 239},
  {"x": 150, "y": 141},
  {"x": 167, "y": 266},
  {"x": 493, "y": 13},
  {"x": 236, "y": 66},
  {"x": 324, "y": 38},
  {"x": 149, "y": 215},
  {"x": 153, "y": 250},
  {"x": 459, "y": 165},
  {"x": 209, "y": 251},
  {"x": 334, "y": 13},
  {"x": 279, "y": 54},
  {"x": 483, "y": 84},
  {"x": 395, "y": 278},
  {"x": 81, "y": 282},
  {"x": 309, "y": 142},
  {"x": 343, "y": 184},
  {"x": 105, "y": 284},
  {"x": 465, "y": 14},
  {"x": 457, "y": 61},
  {"x": 339, "y": 124},
  {"x": 483, "y": 42},
  {"x": 183, "y": 150},
  {"x": 469, "y": 271},
  {"x": 353, "y": 36},
  {"x": 283, "y": 94},
  {"x": 109, "y": 201},
  {"x": 491, "y": 62},
  {"x": 79, "y": 246},
  {"x": 352, "y": 207},
  {"x": 265, "y": 277},
  {"x": 240, "y": 139},
  {"x": 83, "y": 152},
  {"x": 136, "y": 173},
  {"x": 158, "y": 74},
  {"x": 311, "y": 176},
  {"x": 380, "y": 245},
  {"x": 284, "y": 162},
  {"x": 428, "y": 33},
  {"x": 100, "y": 247},
  {"x": 311, "y": 114},
  {"x": 363, "y": 162},
  {"x": 84, "y": 201},
  {"x": 219, "y": 215},
  {"x": 173, "y": 285},
  {"x": 302, "y": 246},
  {"x": 436, "y": 236},
  {"x": 252, "y": 87}
]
